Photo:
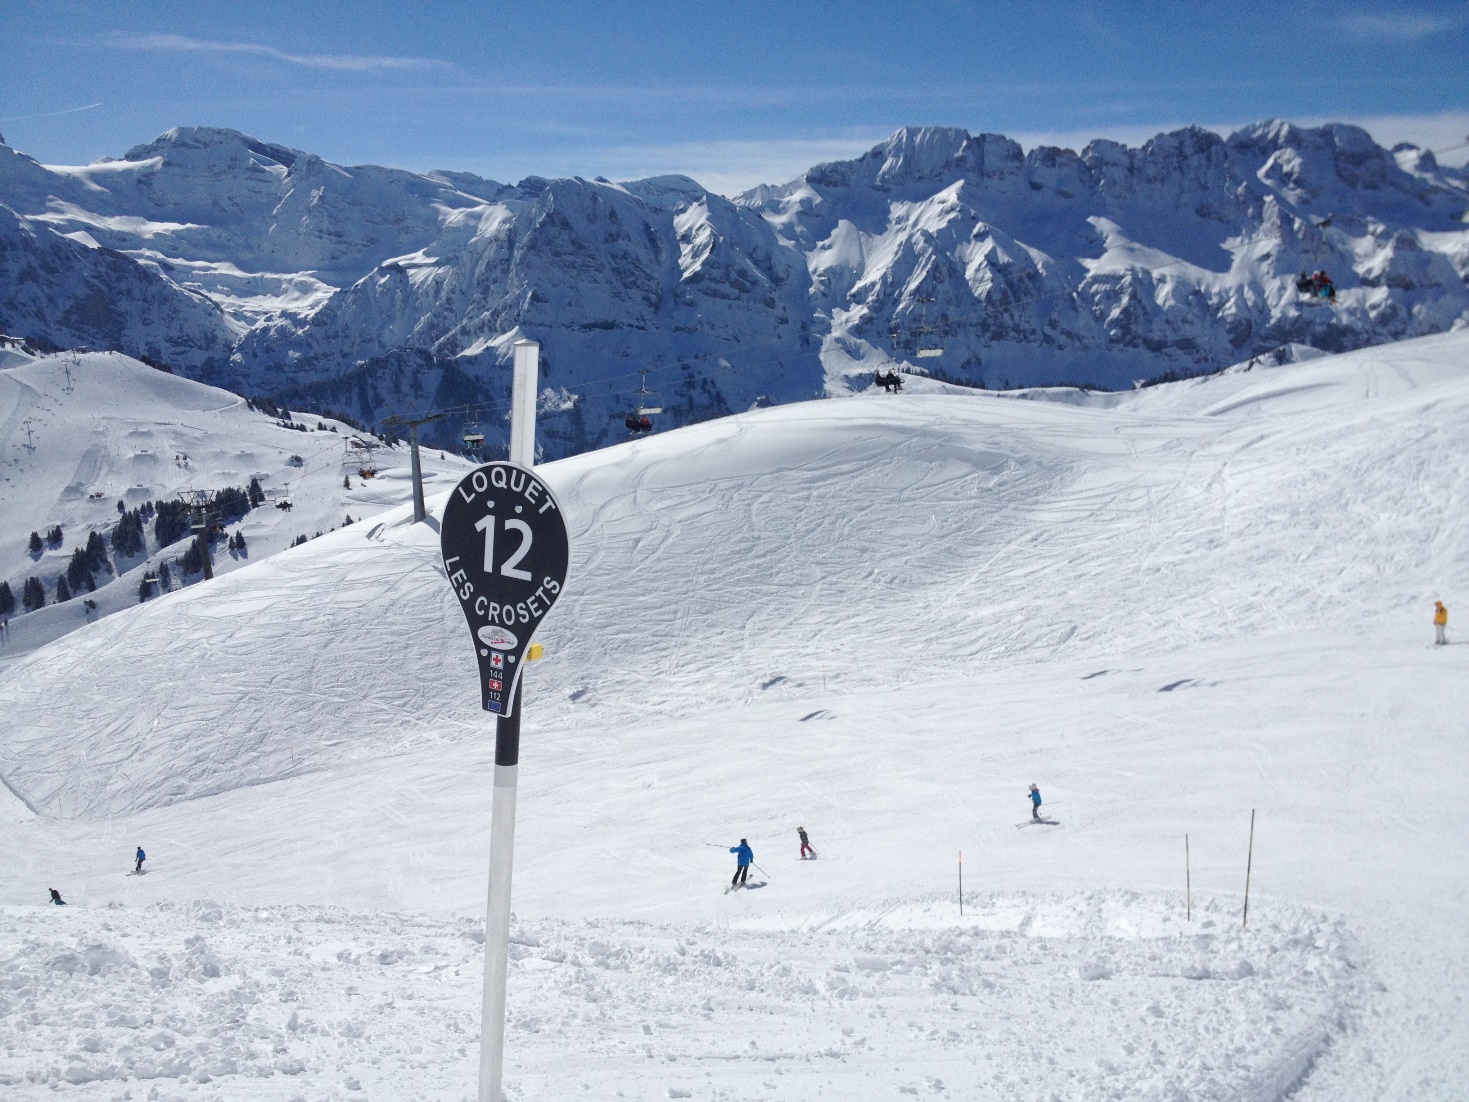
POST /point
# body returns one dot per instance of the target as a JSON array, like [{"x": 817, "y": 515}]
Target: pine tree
[
  {"x": 165, "y": 576},
  {"x": 171, "y": 523},
  {"x": 257, "y": 495},
  {"x": 97, "y": 553},
  {"x": 32, "y": 595},
  {"x": 346, "y": 482},
  {"x": 35, "y": 545},
  {"x": 77, "y": 572},
  {"x": 127, "y": 535},
  {"x": 54, "y": 537},
  {"x": 63, "y": 591},
  {"x": 7, "y": 599},
  {"x": 193, "y": 560},
  {"x": 348, "y": 520},
  {"x": 121, "y": 508}
]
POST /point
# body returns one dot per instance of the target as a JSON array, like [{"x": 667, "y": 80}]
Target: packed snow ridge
[{"x": 270, "y": 270}]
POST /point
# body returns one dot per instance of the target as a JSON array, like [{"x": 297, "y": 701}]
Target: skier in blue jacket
[
  {"x": 141, "y": 857},
  {"x": 745, "y": 856},
  {"x": 1035, "y": 802}
]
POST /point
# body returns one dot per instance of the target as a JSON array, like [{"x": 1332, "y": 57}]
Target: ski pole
[{"x": 762, "y": 871}]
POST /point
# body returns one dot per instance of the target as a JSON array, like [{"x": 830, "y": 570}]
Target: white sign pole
[{"x": 507, "y": 754}]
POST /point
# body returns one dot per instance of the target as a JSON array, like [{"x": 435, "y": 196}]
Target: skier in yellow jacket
[{"x": 1440, "y": 624}]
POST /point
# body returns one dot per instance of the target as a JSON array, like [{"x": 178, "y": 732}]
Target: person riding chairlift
[
  {"x": 636, "y": 422},
  {"x": 1317, "y": 284}
]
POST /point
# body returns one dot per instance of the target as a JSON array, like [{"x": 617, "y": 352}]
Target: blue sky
[{"x": 732, "y": 94}]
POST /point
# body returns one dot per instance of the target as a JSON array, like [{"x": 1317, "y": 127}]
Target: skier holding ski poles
[
  {"x": 744, "y": 857},
  {"x": 1035, "y": 802}
]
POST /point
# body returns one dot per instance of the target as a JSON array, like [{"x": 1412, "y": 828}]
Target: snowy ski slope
[
  {"x": 80, "y": 432},
  {"x": 879, "y": 618}
]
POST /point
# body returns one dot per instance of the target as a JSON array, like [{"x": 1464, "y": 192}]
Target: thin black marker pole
[
  {"x": 507, "y": 734},
  {"x": 1249, "y": 863},
  {"x": 1188, "y": 884}
]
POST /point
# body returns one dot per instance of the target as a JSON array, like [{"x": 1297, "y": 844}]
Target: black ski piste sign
[{"x": 505, "y": 552}]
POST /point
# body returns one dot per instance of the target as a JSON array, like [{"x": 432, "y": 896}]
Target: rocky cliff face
[
  {"x": 56, "y": 292},
  {"x": 1116, "y": 264},
  {"x": 371, "y": 290}
]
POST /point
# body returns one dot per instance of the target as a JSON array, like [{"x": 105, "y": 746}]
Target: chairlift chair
[
  {"x": 640, "y": 419},
  {"x": 473, "y": 434},
  {"x": 648, "y": 403},
  {"x": 1316, "y": 287}
]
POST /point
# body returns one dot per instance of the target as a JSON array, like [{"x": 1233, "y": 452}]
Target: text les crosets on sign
[{"x": 505, "y": 551}]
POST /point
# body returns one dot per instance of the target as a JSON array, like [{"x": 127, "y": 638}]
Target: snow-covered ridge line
[
  {"x": 273, "y": 271},
  {"x": 88, "y": 437}
]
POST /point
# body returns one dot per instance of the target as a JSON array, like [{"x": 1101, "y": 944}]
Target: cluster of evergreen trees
[
  {"x": 32, "y": 595},
  {"x": 53, "y": 541},
  {"x": 127, "y": 534},
  {"x": 81, "y": 571},
  {"x": 171, "y": 522}
]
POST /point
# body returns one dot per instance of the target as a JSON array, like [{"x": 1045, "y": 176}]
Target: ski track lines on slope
[
  {"x": 1173, "y": 545},
  {"x": 918, "y": 538},
  {"x": 386, "y": 1004}
]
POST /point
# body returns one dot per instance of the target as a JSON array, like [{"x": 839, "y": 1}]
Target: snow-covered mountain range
[{"x": 272, "y": 271}]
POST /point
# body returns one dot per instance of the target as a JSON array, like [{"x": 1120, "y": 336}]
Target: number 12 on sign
[{"x": 510, "y": 568}]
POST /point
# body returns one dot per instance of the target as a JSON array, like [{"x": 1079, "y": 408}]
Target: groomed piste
[{"x": 880, "y": 618}]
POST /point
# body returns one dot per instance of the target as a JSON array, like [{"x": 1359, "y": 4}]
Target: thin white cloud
[
  {"x": 724, "y": 167},
  {"x": 340, "y": 63},
  {"x": 1398, "y": 27},
  {"x": 732, "y": 166},
  {"x": 53, "y": 114}
]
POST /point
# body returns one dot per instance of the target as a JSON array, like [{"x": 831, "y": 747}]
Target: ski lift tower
[
  {"x": 419, "y": 511},
  {"x": 199, "y": 520}
]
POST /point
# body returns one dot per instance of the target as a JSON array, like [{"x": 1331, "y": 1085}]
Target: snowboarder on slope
[
  {"x": 744, "y": 856},
  {"x": 141, "y": 857},
  {"x": 1035, "y": 802},
  {"x": 1440, "y": 624},
  {"x": 56, "y": 898},
  {"x": 805, "y": 843}
]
